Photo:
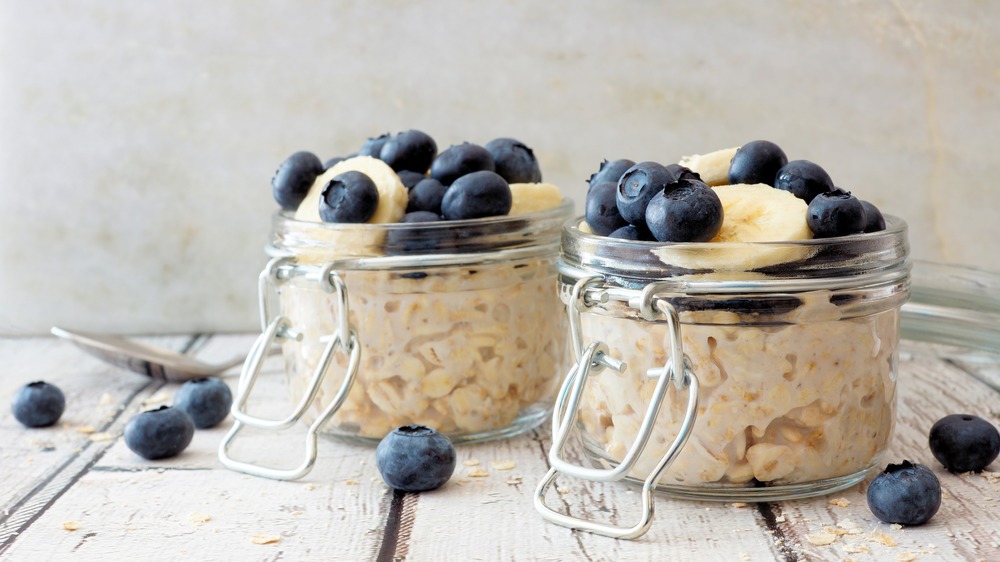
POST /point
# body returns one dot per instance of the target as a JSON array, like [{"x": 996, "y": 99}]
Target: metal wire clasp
[
  {"x": 593, "y": 359},
  {"x": 345, "y": 339}
]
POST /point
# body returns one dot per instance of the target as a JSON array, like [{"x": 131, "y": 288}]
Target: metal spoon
[{"x": 148, "y": 360}]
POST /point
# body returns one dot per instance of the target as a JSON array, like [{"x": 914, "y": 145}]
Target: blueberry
[
  {"x": 514, "y": 161},
  {"x": 293, "y": 179},
  {"x": 637, "y": 186},
  {"x": 459, "y": 160},
  {"x": 835, "y": 213},
  {"x": 610, "y": 171},
  {"x": 38, "y": 404},
  {"x": 756, "y": 162},
  {"x": 905, "y": 493},
  {"x": 160, "y": 433},
  {"x": 629, "y": 232},
  {"x": 350, "y": 197},
  {"x": 963, "y": 442},
  {"x": 402, "y": 241},
  {"x": 373, "y": 146},
  {"x": 803, "y": 179},
  {"x": 411, "y": 150},
  {"x": 874, "y": 221},
  {"x": 415, "y": 458},
  {"x": 334, "y": 161},
  {"x": 687, "y": 212},
  {"x": 683, "y": 173},
  {"x": 420, "y": 216},
  {"x": 409, "y": 178},
  {"x": 426, "y": 196},
  {"x": 602, "y": 208},
  {"x": 206, "y": 400},
  {"x": 476, "y": 195}
]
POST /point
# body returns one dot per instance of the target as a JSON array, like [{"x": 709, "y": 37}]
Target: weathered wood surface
[{"x": 124, "y": 508}]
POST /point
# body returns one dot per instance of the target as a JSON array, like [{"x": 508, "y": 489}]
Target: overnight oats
[
  {"x": 786, "y": 294},
  {"x": 446, "y": 264}
]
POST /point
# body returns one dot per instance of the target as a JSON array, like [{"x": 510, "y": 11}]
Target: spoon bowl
[{"x": 152, "y": 361}]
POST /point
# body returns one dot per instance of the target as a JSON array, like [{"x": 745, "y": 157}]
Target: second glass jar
[{"x": 796, "y": 360}]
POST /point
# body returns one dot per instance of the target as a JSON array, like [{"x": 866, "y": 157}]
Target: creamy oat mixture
[
  {"x": 779, "y": 403},
  {"x": 464, "y": 350}
]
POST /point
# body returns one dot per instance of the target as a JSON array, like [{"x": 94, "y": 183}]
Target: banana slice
[
  {"x": 712, "y": 167},
  {"x": 752, "y": 214},
  {"x": 353, "y": 240},
  {"x": 392, "y": 195},
  {"x": 533, "y": 197}
]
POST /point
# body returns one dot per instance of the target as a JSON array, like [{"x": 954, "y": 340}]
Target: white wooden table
[{"x": 76, "y": 492}]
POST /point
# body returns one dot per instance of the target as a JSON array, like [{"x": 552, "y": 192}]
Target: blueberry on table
[
  {"x": 207, "y": 400},
  {"x": 637, "y": 186},
  {"x": 350, "y": 197},
  {"x": 409, "y": 178},
  {"x": 963, "y": 442},
  {"x": 476, "y": 195},
  {"x": 803, "y": 179},
  {"x": 602, "y": 208},
  {"x": 426, "y": 196},
  {"x": 756, "y": 162},
  {"x": 415, "y": 458},
  {"x": 373, "y": 146},
  {"x": 459, "y": 160},
  {"x": 630, "y": 232},
  {"x": 293, "y": 179},
  {"x": 160, "y": 433},
  {"x": 689, "y": 212},
  {"x": 874, "y": 221},
  {"x": 411, "y": 150},
  {"x": 610, "y": 172},
  {"x": 514, "y": 161},
  {"x": 38, "y": 404},
  {"x": 835, "y": 213},
  {"x": 905, "y": 493}
]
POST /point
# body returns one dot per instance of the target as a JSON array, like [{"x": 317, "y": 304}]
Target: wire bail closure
[
  {"x": 593, "y": 359},
  {"x": 344, "y": 339}
]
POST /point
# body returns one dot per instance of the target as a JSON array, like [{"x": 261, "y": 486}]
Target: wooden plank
[
  {"x": 209, "y": 514},
  {"x": 499, "y": 514},
  {"x": 37, "y": 464}
]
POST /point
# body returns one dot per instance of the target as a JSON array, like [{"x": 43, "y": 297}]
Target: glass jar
[
  {"x": 456, "y": 325},
  {"x": 730, "y": 371}
]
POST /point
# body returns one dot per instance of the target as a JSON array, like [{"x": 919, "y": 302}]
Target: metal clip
[
  {"x": 280, "y": 327},
  {"x": 593, "y": 359}
]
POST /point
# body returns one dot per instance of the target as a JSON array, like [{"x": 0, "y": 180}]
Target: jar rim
[
  {"x": 632, "y": 261},
  {"x": 430, "y": 244}
]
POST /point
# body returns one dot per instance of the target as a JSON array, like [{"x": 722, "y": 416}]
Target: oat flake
[
  {"x": 264, "y": 538},
  {"x": 71, "y": 525},
  {"x": 504, "y": 465},
  {"x": 199, "y": 517},
  {"x": 840, "y": 502},
  {"x": 821, "y": 539}
]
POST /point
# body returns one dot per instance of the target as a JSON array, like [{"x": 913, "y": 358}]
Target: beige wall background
[{"x": 137, "y": 139}]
